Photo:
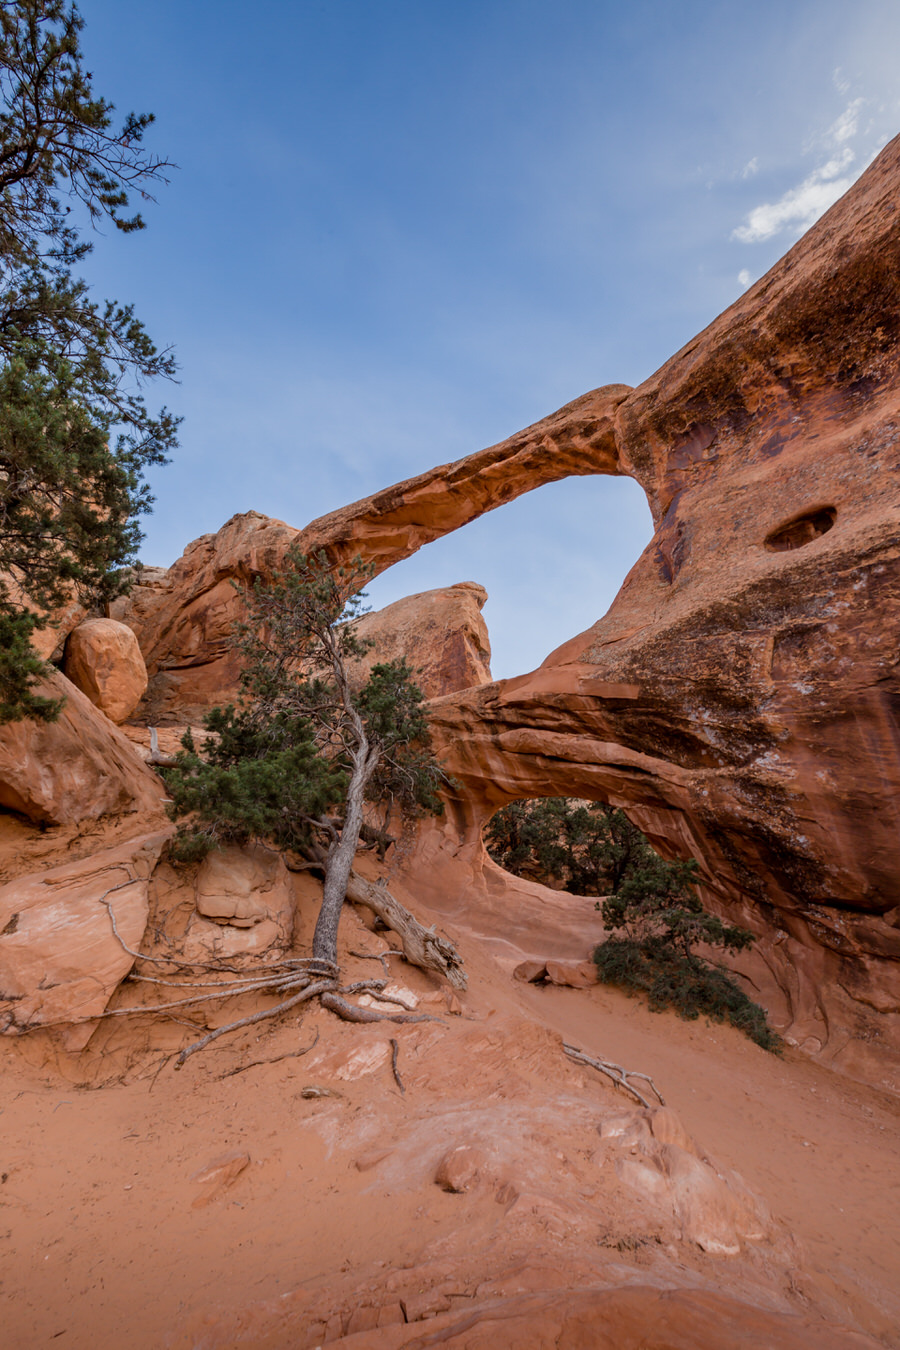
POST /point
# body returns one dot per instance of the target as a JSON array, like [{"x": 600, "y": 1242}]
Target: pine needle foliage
[
  {"x": 75, "y": 431},
  {"x": 583, "y": 847},
  {"x": 689, "y": 984},
  {"x": 657, "y": 921}
]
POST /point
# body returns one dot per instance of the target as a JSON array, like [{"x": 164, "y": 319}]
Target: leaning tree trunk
[{"x": 339, "y": 863}]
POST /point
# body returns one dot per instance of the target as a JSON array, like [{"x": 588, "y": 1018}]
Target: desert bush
[{"x": 650, "y": 906}]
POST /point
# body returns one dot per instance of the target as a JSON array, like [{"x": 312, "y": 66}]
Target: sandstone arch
[{"x": 740, "y": 701}]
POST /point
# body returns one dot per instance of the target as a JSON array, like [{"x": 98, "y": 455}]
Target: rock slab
[
  {"x": 77, "y": 768},
  {"x": 60, "y": 958}
]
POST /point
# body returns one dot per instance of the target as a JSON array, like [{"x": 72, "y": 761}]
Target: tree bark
[
  {"x": 421, "y": 946},
  {"x": 338, "y": 866}
]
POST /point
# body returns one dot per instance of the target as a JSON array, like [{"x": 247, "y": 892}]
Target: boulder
[
  {"x": 572, "y": 974},
  {"x": 530, "y": 972},
  {"x": 77, "y": 768},
  {"x": 60, "y": 957},
  {"x": 103, "y": 660}
]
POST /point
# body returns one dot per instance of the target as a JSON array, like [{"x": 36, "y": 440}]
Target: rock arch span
[{"x": 739, "y": 699}]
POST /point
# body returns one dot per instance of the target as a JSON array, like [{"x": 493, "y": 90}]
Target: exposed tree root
[
  {"x": 351, "y": 1013},
  {"x": 275, "y": 1059},
  {"x": 311, "y": 991},
  {"x": 618, "y": 1075},
  {"x": 395, "y": 1054},
  {"x": 295, "y": 980},
  {"x": 380, "y": 956}
]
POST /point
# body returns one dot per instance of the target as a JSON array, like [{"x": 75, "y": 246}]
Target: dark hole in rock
[{"x": 803, "y": 530}]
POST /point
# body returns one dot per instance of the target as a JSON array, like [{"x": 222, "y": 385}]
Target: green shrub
[
  {"x": 649, "y": 905},
  {"x": 587, "y": 848},
  {"x": 687, "y": 983}
]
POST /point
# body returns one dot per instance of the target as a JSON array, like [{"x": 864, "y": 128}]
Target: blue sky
[{"x": 402, "y": 229}]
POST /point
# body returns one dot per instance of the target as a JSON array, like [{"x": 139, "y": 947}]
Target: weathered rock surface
[
  {"x": 77, "y": 768},
  {"x": 218, "y": 1175},
  {"x": 244, "y": 906},
  {"x": 48, "y": 642},
  {"x": 184, "y": 617},
  {"x": 441, "y": 634},
  {"x": 654, "y": 1154},
  {"x": 618, "y": 1319},
  {"x": 60, "y": 958},
  {"x": 103, "y": 659}
]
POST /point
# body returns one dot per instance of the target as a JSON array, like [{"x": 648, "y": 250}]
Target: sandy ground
[{"x": 208, "y": 1208}]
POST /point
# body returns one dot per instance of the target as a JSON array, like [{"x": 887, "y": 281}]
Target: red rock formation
[
  {"x": 184, "y": 620},
  {"x": 103, "y": 659},
  {"x": 77, "y": 768},
  {"x": 60, "y": 957},
  {"x": 739, "y": 698},
  {"x": 184, "y": 617},
  {"x": 244, "y": 907},
  {"x": 440, "y": 633},
  {"x": 47, "y": 642}
]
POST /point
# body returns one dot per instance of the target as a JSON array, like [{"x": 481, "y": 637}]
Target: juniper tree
[
  {"x": 584, "y": 847},
  {"x": 296, "y": 761},
  {"x": 75, "y": 431}
]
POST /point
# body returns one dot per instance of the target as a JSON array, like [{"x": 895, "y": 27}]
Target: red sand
[{"x": 110, "y": 1236}]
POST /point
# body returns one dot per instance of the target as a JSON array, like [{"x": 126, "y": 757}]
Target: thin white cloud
[
  {"x": 847, "y": 124},
  {"x": 750, "y": 168},
  {"x": 801, "y": 206},
  {"x": 744, "y": 278},
  {"x": 841, "y": 83}
]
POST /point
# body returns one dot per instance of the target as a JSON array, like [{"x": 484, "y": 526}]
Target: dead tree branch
[
  {"x": 618, "y": 1075},
  {"x": 156, "y": 757},
  {"x": 422, "y": 947},
  {"x": 351, "y": 1013}
]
